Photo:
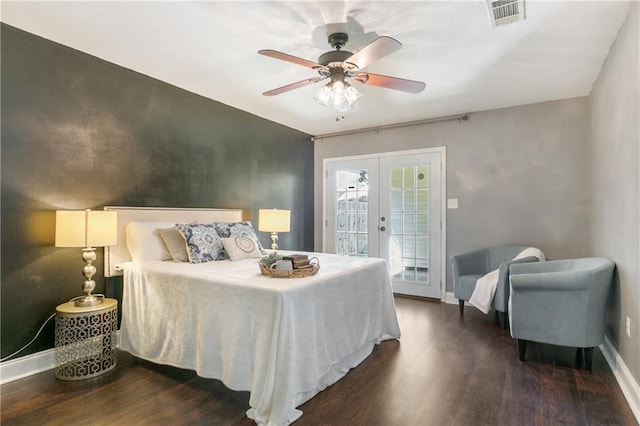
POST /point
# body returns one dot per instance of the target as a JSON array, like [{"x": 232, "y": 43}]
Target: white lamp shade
[
  {"x": 86, "y": 228},
  {"x": 274, "y": 220}
]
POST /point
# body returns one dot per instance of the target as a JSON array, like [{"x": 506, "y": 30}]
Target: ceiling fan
[{"x": 338, "y": 65}]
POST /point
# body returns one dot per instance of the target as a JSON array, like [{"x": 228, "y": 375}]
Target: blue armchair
[
  {"x": 562, "y": 303},
  {"x": 468, "y": 267}
]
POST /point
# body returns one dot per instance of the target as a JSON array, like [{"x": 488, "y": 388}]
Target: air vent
[{"x": 502, "y": 12}]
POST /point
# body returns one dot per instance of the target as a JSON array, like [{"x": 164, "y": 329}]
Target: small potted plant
[{"x": 270, "y": 259}]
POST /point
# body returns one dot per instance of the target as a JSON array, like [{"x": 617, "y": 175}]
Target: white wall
[
  {"x": 520, "y": 175},
  {"x": 614, "y": 184}
]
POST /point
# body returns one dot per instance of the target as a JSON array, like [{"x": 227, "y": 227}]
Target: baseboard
[
  {"x": 626, "y": 381},
  {"x": 450, "y": 298},
  {"x": 27, "y": 365}
]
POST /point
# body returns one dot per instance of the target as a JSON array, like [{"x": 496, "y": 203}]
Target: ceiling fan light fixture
[{"x": 338, "y": 95}]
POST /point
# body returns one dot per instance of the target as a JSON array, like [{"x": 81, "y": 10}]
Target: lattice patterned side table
[{"x": 86, "y": 343}]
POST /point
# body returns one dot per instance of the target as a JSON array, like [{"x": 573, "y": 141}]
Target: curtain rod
[{"x": 459, "y": 118}]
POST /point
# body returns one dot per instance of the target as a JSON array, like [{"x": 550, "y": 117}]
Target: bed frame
[{"x": 116, "y": 254}]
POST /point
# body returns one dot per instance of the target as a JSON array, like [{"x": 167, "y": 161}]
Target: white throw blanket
[{"x": 487, "y": 285}]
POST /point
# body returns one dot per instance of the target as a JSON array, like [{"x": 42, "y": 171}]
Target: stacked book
[{"x": 299, "y": 261}]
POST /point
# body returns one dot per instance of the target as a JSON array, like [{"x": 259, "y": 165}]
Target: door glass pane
[
  {"x": 340, "y": 242},
  {"x": 422, "y": 177},
  {"x": 409, "y": 202},
  {"x": 422, "y": 248},
  {"x": 352, "y": 240},
  {"x": 362, "y": 222},
  {"x": 422, "y": 270},
  {"x": 409, "y": 177},
  {"x": 362, "y": 244},
  {"x": 422, "y": 224},
  {"x": 396, "y": 223},
  {"x": 396, "y": 200},
  {"x": 351, "y": 200},
  {"x": 409, "y": 223},
  {"x": 396, "y": 178},
  {"x": 422, "y": 200},
  {"x": 341, "y": 221},
  {"x": 408, "y": 247},
  {"x": 352, "y": 222}
]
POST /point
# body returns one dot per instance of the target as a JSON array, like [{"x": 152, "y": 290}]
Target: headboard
[{"x": 116, "y": 254}]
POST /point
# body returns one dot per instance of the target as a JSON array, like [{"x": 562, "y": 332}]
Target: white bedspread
[{"x": 284, "y": 340}]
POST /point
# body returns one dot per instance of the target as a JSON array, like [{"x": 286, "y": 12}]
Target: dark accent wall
[{"x": 79, "y": 132}]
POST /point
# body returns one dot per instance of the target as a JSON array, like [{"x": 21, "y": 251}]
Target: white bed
[{"x": 284, "y": 340}]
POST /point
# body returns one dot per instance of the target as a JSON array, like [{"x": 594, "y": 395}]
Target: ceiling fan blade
[
  {"x": 377, "y": 49},
  {"x": 293, "y": 86},
  {"x": 387, "y": 82},
  {"x": 289, "y": 58}
]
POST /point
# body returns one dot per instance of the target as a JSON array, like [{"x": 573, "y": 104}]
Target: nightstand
[{"x": 86, "y": 340}]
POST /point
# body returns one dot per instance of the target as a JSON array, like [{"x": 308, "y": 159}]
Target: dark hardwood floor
[{"x": 445, "y": 370}]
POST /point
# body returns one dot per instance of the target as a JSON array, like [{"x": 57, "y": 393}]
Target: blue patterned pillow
[
  {"x": 203, "y": 242},
  {"x": 238, "y": 229}
]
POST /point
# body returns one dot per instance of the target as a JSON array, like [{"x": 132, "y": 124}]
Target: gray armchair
[
  {"x": 561, "y": 303},
  {"x": 468, "y": 267}
]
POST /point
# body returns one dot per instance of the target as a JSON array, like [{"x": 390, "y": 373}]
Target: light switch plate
[{"x": 452, "y": 203}]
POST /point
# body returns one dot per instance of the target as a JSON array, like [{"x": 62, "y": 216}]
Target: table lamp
[
  {"x": 274, "y": 221},
  {"x": 88, "y": 229}
]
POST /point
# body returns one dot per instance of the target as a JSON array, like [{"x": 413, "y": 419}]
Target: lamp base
[
  {"x": 89, "y": 256},
  {"x": 274, "y": 241},
  {"x": 88, "y": 300}
]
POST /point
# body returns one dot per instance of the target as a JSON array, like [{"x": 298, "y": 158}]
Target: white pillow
[
  {"x": 241, "y": 247},
  {"x": 144, "y": 242}
]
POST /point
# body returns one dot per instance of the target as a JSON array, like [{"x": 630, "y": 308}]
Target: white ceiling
[{"x": 210, "y": 48}]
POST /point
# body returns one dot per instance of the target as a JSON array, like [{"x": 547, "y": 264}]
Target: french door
[{"x": 389, "y": 206}]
